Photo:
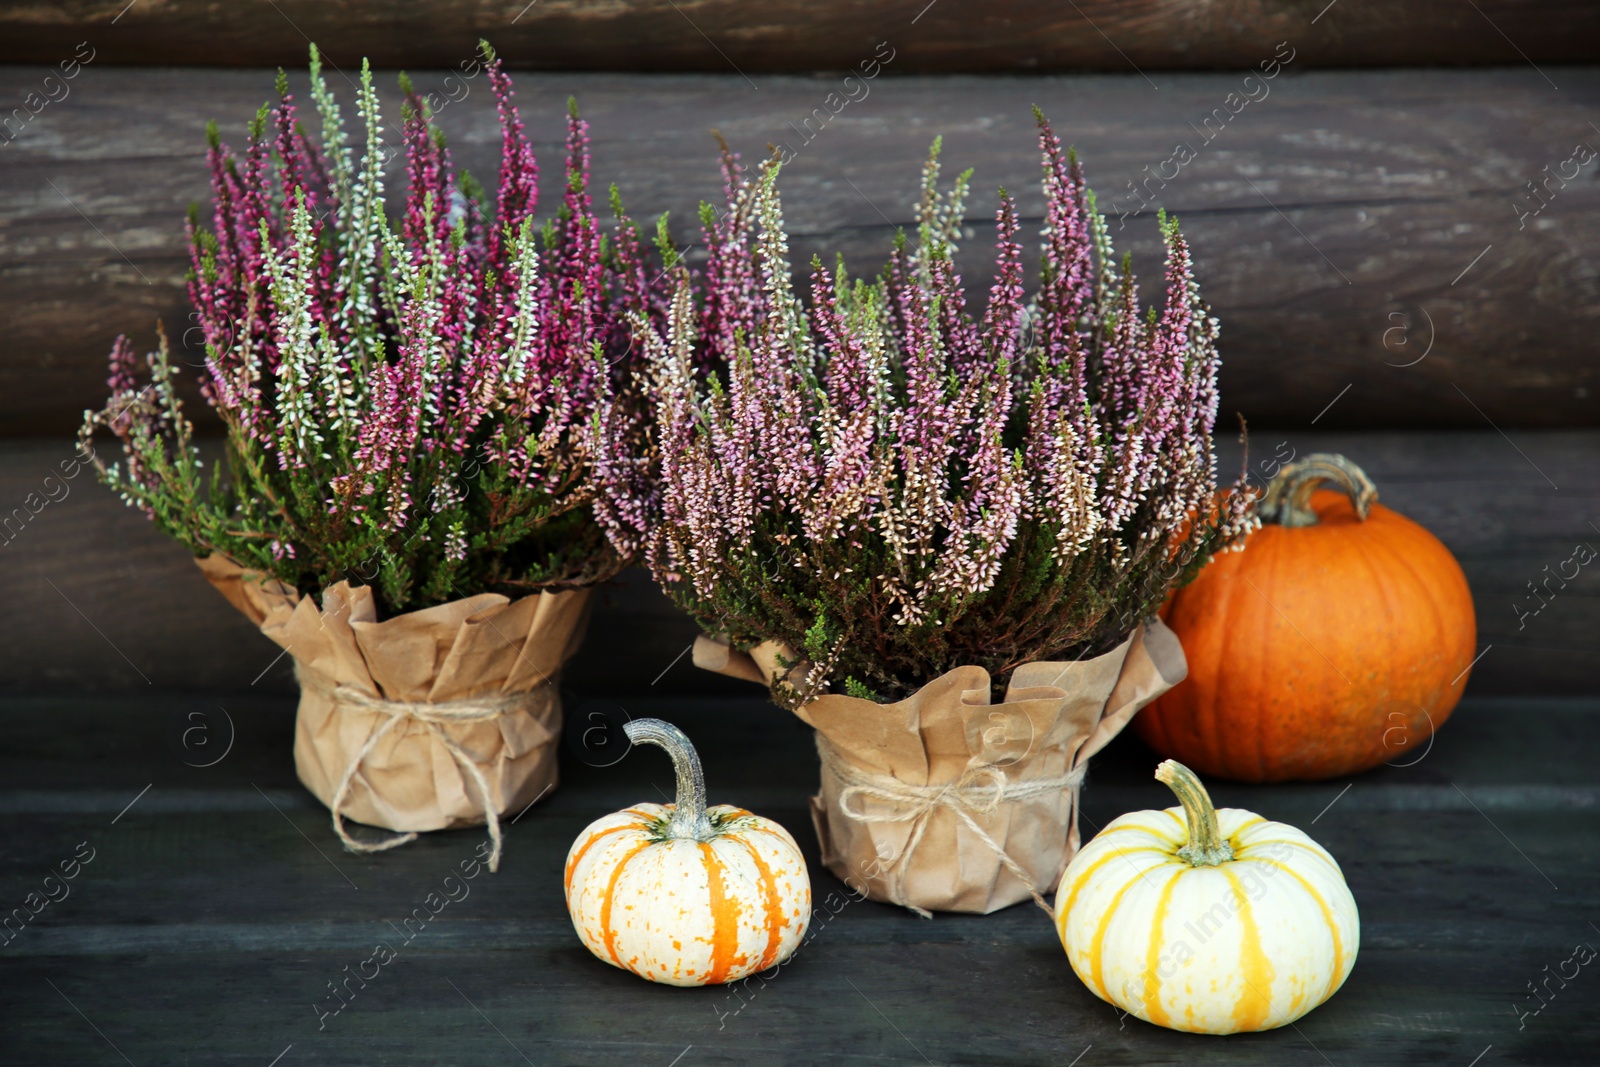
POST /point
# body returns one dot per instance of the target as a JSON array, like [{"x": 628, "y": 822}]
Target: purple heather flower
[{"x": 376, "y": 360}]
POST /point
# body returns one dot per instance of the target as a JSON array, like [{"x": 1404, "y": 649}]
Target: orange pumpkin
[{"x": 1337, "y": 638}]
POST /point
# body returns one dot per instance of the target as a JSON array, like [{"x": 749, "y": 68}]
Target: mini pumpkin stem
[
  {"x": 1288, "y": 499},
  {"x": 689, "y": 817},
  {"x": 1206, "y": 847}
]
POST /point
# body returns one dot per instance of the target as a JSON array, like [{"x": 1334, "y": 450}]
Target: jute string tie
[
  {"x": 979, "y": 791},
  {"x": 435, "y": 717}
]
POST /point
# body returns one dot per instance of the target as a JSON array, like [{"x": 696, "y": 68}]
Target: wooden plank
[
  {"x": 1027, "y": 36},
  {"x": 208, "y": 923},
  {"x": 1343, "y": 226},
  {"x": 103, "y": 602}
]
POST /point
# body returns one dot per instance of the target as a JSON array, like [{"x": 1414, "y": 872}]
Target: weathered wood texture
[
  {"x": 98, "y": 600},
  {"x": 1344, "y": 226},
  {"x": 724, "y": 35},
  {"x": 209, "y": 924}
]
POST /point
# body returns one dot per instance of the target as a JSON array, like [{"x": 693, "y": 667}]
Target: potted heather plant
[
  {"x": 939, "y": 537},
  {"x": 410, "y": 434}
]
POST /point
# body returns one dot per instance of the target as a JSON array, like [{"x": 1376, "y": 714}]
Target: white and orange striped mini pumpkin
[
  {"x": 1209, "y": 921},
  {"x": 680, "y": 894}
]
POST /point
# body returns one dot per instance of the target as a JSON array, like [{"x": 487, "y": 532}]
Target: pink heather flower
[{"x": 891, "y": 484}]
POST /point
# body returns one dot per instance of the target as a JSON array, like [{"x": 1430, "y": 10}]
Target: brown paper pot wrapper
[
  {"x": 911, "y": 790},
  {"x": 499, "y": 656}
]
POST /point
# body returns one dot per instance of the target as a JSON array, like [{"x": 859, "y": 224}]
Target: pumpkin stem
[
  {"x": 1206, "y": 847},
  {"x": 689, "y": 817},
  {"x": 1288, "y": 499}
]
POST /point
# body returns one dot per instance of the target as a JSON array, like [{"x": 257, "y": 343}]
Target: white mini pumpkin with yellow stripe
[
  {"x": 1209, "y": 921},
  {"x": 683, "y": 895}
]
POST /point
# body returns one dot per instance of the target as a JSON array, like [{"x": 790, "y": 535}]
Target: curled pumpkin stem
[
  {"x": 1206, "y": 846},
  {"x": 689, "y": 819},
  {"x": 1288, "y": 499}
]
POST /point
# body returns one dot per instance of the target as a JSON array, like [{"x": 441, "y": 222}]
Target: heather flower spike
[
  {"x": 411, "y": 403},
  {"x": 893, "y": 485}
]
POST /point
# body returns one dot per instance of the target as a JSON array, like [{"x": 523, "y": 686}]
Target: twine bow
[
  {"x": 979, "y": 791},
  {"x": 435, "y": 717}
]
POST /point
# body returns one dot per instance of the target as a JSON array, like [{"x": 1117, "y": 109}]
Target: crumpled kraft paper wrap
[
  {"x": 480, "y": 647},
  {"x": 1054, "y": 717}
]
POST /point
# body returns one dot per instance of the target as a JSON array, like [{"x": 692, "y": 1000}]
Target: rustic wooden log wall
[
  {"x": 1019, "y": 36},
  {"x": 1387, "y": 249},
  {"x": 1368, "y": 239}
]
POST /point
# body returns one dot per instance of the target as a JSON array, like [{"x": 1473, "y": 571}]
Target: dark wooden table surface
[{"x": 218, "y": 907}]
